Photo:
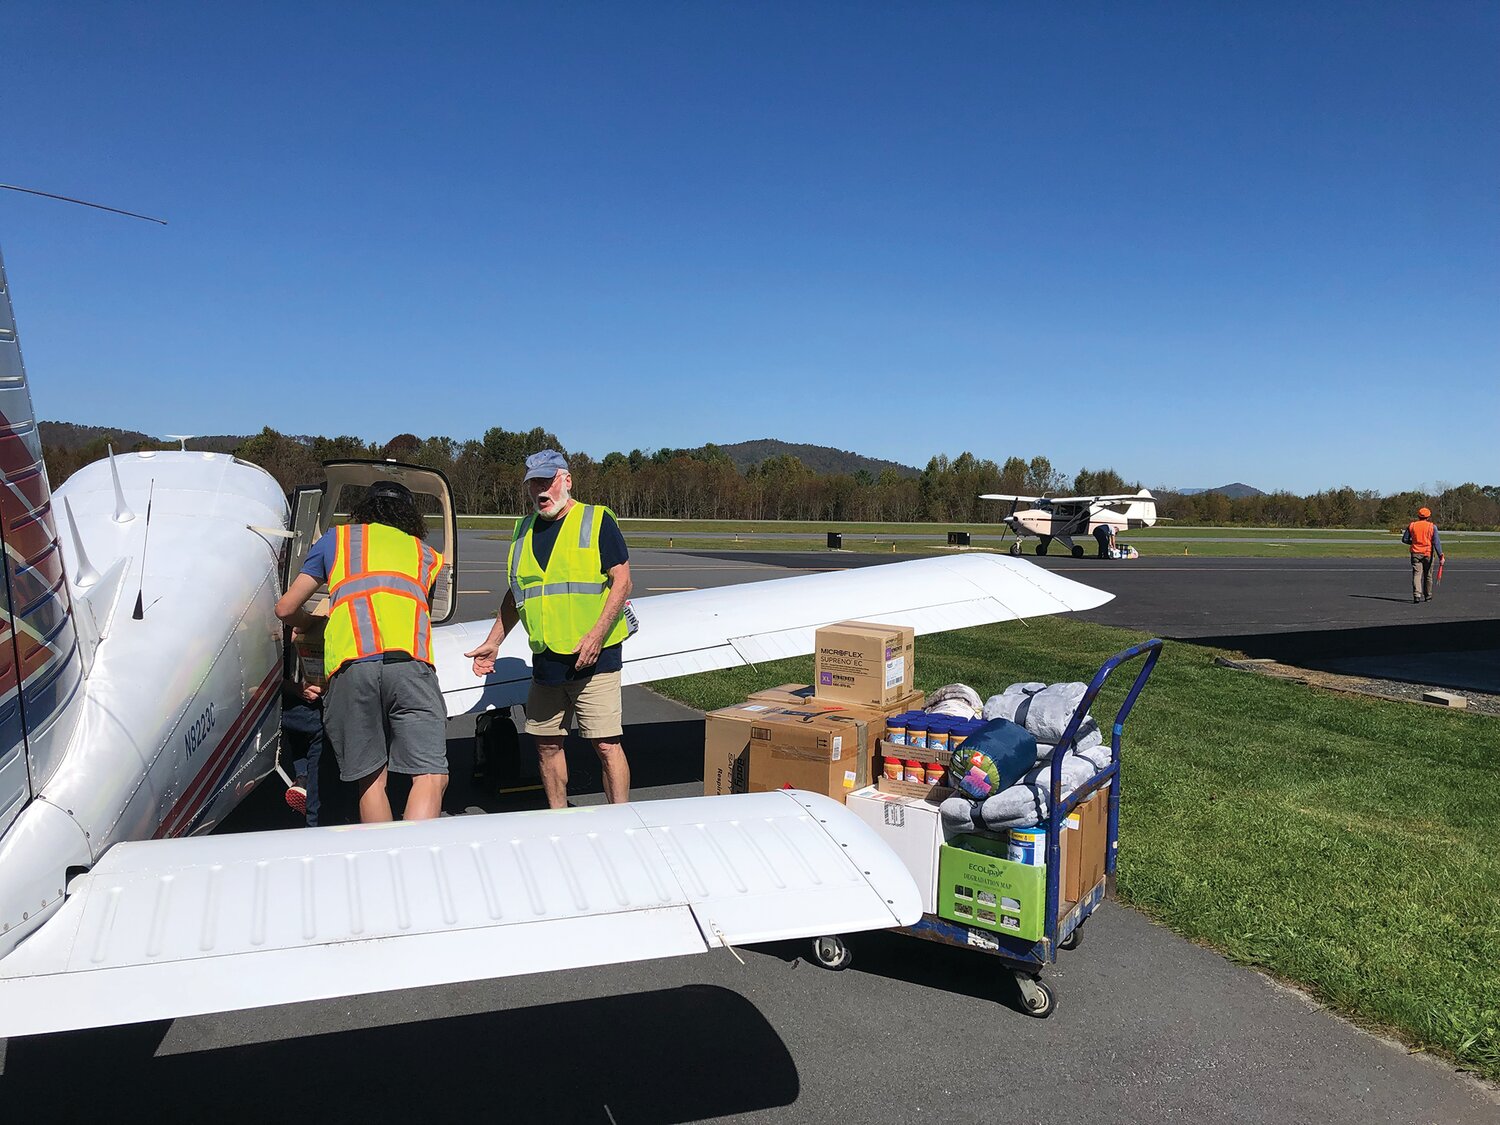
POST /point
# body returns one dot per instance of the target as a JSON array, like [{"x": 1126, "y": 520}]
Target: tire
[
  {"x": 1073, "y": 940},
  {"x": 1015, "y": 548},
  {"x": 1077, "y": 551},
  {"x": 1041, "y": 1003},
  {"x": 1041, "y": 547},
  {"x": 832, "y": 953}
]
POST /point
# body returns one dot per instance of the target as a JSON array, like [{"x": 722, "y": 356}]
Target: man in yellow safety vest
[
  {"x": 382, "y": 707},
  {"x": 568, "y": 572}
]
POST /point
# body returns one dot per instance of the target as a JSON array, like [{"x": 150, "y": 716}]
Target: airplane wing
[
  {"x": 1099, "y": 499},
  {"x": 167, "y": 928},
  {"x": 700, "y": 630},
  {"x": 1012, "y": 496}
]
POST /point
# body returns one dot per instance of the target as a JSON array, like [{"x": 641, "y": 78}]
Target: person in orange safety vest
[{"x": 1421, "y": 535}]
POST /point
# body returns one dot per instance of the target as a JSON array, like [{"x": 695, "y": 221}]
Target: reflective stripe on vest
[
  {"x": 378, "y": 588},
  {"x": 1421, "y": 536},
  {"x": 560, "y": 604}
]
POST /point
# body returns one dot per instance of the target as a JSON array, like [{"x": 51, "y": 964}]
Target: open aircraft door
[{"x": 316, "y": 508}]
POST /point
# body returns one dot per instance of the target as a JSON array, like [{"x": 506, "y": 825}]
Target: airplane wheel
[
  {"x": 1041, "y": 548},
  {"x": 832, "y": 953},
  {"x": 1077, "y": 551},
  {"x": 1015, "y": 549}
]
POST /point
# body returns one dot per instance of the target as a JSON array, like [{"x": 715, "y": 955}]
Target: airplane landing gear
[
  {"x": 1043, "y": 543},
  {"x": 1015, "y": 548}
]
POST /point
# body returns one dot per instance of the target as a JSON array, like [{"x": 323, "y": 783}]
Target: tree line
[{"x": 486, "y": 475}]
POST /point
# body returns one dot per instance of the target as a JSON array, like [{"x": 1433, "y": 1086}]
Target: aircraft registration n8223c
[{"x": 125, "y": 739}]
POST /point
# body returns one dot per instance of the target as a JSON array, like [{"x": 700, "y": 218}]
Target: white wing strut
[
  {"x": 700, "y": 630},
  {"x": 160, "y": 929}
]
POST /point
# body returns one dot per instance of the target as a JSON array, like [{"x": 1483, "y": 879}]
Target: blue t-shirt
[{"x": 548, "y": 667}]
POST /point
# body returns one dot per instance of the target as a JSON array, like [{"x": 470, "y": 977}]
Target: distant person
[
  {"x": 569, "y": 573},
  {"x": 1425, "y": 543},
  {"x": 382, "y": 709},
  {"x": 1104, "y": 535}
]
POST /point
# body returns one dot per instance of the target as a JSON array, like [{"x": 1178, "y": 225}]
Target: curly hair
[{"x": 401, "y": 514}]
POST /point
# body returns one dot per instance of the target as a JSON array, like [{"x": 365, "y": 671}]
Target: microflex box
[{"x": 863, "y": 662}]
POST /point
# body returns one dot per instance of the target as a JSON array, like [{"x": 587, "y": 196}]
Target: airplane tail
[
  {"x": 1141, "y": 513},
  {"x": 40, "y": 666}
]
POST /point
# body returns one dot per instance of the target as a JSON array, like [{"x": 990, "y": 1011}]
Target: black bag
[{"x": 497, "y": 750}]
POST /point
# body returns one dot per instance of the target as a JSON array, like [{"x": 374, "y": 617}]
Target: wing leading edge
[
  {"x": 701, "y": 630},
  {"x": 168, "y": 928}
]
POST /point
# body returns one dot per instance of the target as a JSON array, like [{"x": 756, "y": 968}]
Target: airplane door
[{"x": 348, "y": 482}]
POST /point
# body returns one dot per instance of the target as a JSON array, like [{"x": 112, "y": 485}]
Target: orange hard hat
[{"x": 1424, "y": 512}]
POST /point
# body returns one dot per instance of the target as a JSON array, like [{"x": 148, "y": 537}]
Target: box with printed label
[
  {"x": 822, "y": 752},
  {"x": 726, "y": 743},
  {"x": 913, "y": 830},
  {"x": 978, "y": 886},
  {"x": 864, "y": 662}
]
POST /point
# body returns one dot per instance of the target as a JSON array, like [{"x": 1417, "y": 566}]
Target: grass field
[
  {"x": 771, "y": 535},
  {"x": 1342, "y": 843}
]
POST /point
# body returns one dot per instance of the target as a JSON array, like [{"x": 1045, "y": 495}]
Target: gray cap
[{"x": 545, "y": 465}]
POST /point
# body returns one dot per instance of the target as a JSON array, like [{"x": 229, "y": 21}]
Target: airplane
[
  {"x": 1060, "y": 518},
  {"x": 140, "y": 671}
]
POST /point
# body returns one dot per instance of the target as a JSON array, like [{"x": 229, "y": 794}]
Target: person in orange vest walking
[
  {"x": 382, "y": 709},
  {"x": 1421, "y": 535}
]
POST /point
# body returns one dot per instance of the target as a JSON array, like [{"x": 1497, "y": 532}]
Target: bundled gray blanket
[{"x": 1045, "y": 711}]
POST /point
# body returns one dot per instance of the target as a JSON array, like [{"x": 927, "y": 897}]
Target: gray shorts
[{"x": 386, "y": 716}]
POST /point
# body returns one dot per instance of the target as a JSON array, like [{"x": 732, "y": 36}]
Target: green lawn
[
  {"x": 1343, "y": 843},
  {"x": 875, "y": 538}
]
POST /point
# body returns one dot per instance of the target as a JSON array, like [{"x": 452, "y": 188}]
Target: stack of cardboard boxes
[
  {"x": 827, "y": 738},
  {"x": 820, "y": 737}
]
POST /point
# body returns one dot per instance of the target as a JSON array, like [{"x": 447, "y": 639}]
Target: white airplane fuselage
[{"x": 179, "y": 715}]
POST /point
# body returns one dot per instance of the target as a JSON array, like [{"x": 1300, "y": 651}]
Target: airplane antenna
[
  {"x": 82, "y": 203},
  {"x": 86, "y": 575},
  {"x": 123, "y": 514},
  {"x": 140, "y": 609},
  {"x": 184, "y": 438}
]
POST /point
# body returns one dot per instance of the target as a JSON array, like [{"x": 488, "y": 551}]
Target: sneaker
[{"x": 296, "y": 797}]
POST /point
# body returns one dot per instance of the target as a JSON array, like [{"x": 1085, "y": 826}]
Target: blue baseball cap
[{"x": 545, "y": 465}]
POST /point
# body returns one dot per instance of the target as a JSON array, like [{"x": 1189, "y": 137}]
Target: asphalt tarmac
[{"x": 1148, "y": 1026}]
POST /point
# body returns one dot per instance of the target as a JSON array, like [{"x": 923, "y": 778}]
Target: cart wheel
[
  {"x": 1073, "y": 940},
  {"x": 1037, "y": 997},
  {"x": 832, "y": 953}
]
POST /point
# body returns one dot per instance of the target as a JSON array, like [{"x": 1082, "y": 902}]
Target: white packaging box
[{"x": 912, "y": 828}]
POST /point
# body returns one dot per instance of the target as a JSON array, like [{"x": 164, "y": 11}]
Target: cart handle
[{"x": 1152, "y": 651}]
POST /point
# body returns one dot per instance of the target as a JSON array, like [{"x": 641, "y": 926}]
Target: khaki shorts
[{"x": 593, "y": 701}]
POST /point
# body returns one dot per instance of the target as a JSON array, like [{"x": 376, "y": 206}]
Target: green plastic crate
[{"x": 978, "y": 886}]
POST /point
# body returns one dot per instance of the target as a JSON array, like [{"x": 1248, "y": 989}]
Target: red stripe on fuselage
[{"x": 186, "y": 807}]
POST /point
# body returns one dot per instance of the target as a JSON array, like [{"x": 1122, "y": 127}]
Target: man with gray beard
[{"x": 568, "y": 573}]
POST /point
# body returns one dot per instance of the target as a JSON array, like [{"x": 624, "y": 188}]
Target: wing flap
[{"x": 166, "y": 928}]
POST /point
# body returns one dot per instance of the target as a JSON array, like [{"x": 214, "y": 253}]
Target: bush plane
[
  {"x": 1060, "y": 518},
  {"x": 140, "y": 672}
]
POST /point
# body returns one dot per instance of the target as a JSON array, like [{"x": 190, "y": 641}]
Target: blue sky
[{"x": 1194, "y": 242}]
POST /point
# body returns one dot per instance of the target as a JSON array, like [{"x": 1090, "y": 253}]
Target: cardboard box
[
  {"x": 789, "y": 694},
  {"x": 1092, "y": 838},
  {"x": 864, "y": 663},
  {"x": 979, "y": 887},
  {"x": 726, "y": 742},
  {"x": 912, "y": 828},
  {"x": 823, "y": 752}
]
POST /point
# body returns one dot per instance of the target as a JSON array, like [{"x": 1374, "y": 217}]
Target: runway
[{"x": 1149, "y": 1027}]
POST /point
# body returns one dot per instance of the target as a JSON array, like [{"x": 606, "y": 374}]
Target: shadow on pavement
[
  {"x": 674, "y": 1055},
  {"x": 1452, "y": 654},
  {"x": 913, "y": 961}
]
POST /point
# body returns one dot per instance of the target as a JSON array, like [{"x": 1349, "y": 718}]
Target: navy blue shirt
[{"x": 548, "y": 667}]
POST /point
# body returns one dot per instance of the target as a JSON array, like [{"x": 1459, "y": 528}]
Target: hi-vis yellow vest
[
  {"x": 378, "y": 584},
  {"x": 559, "y": 605}
]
